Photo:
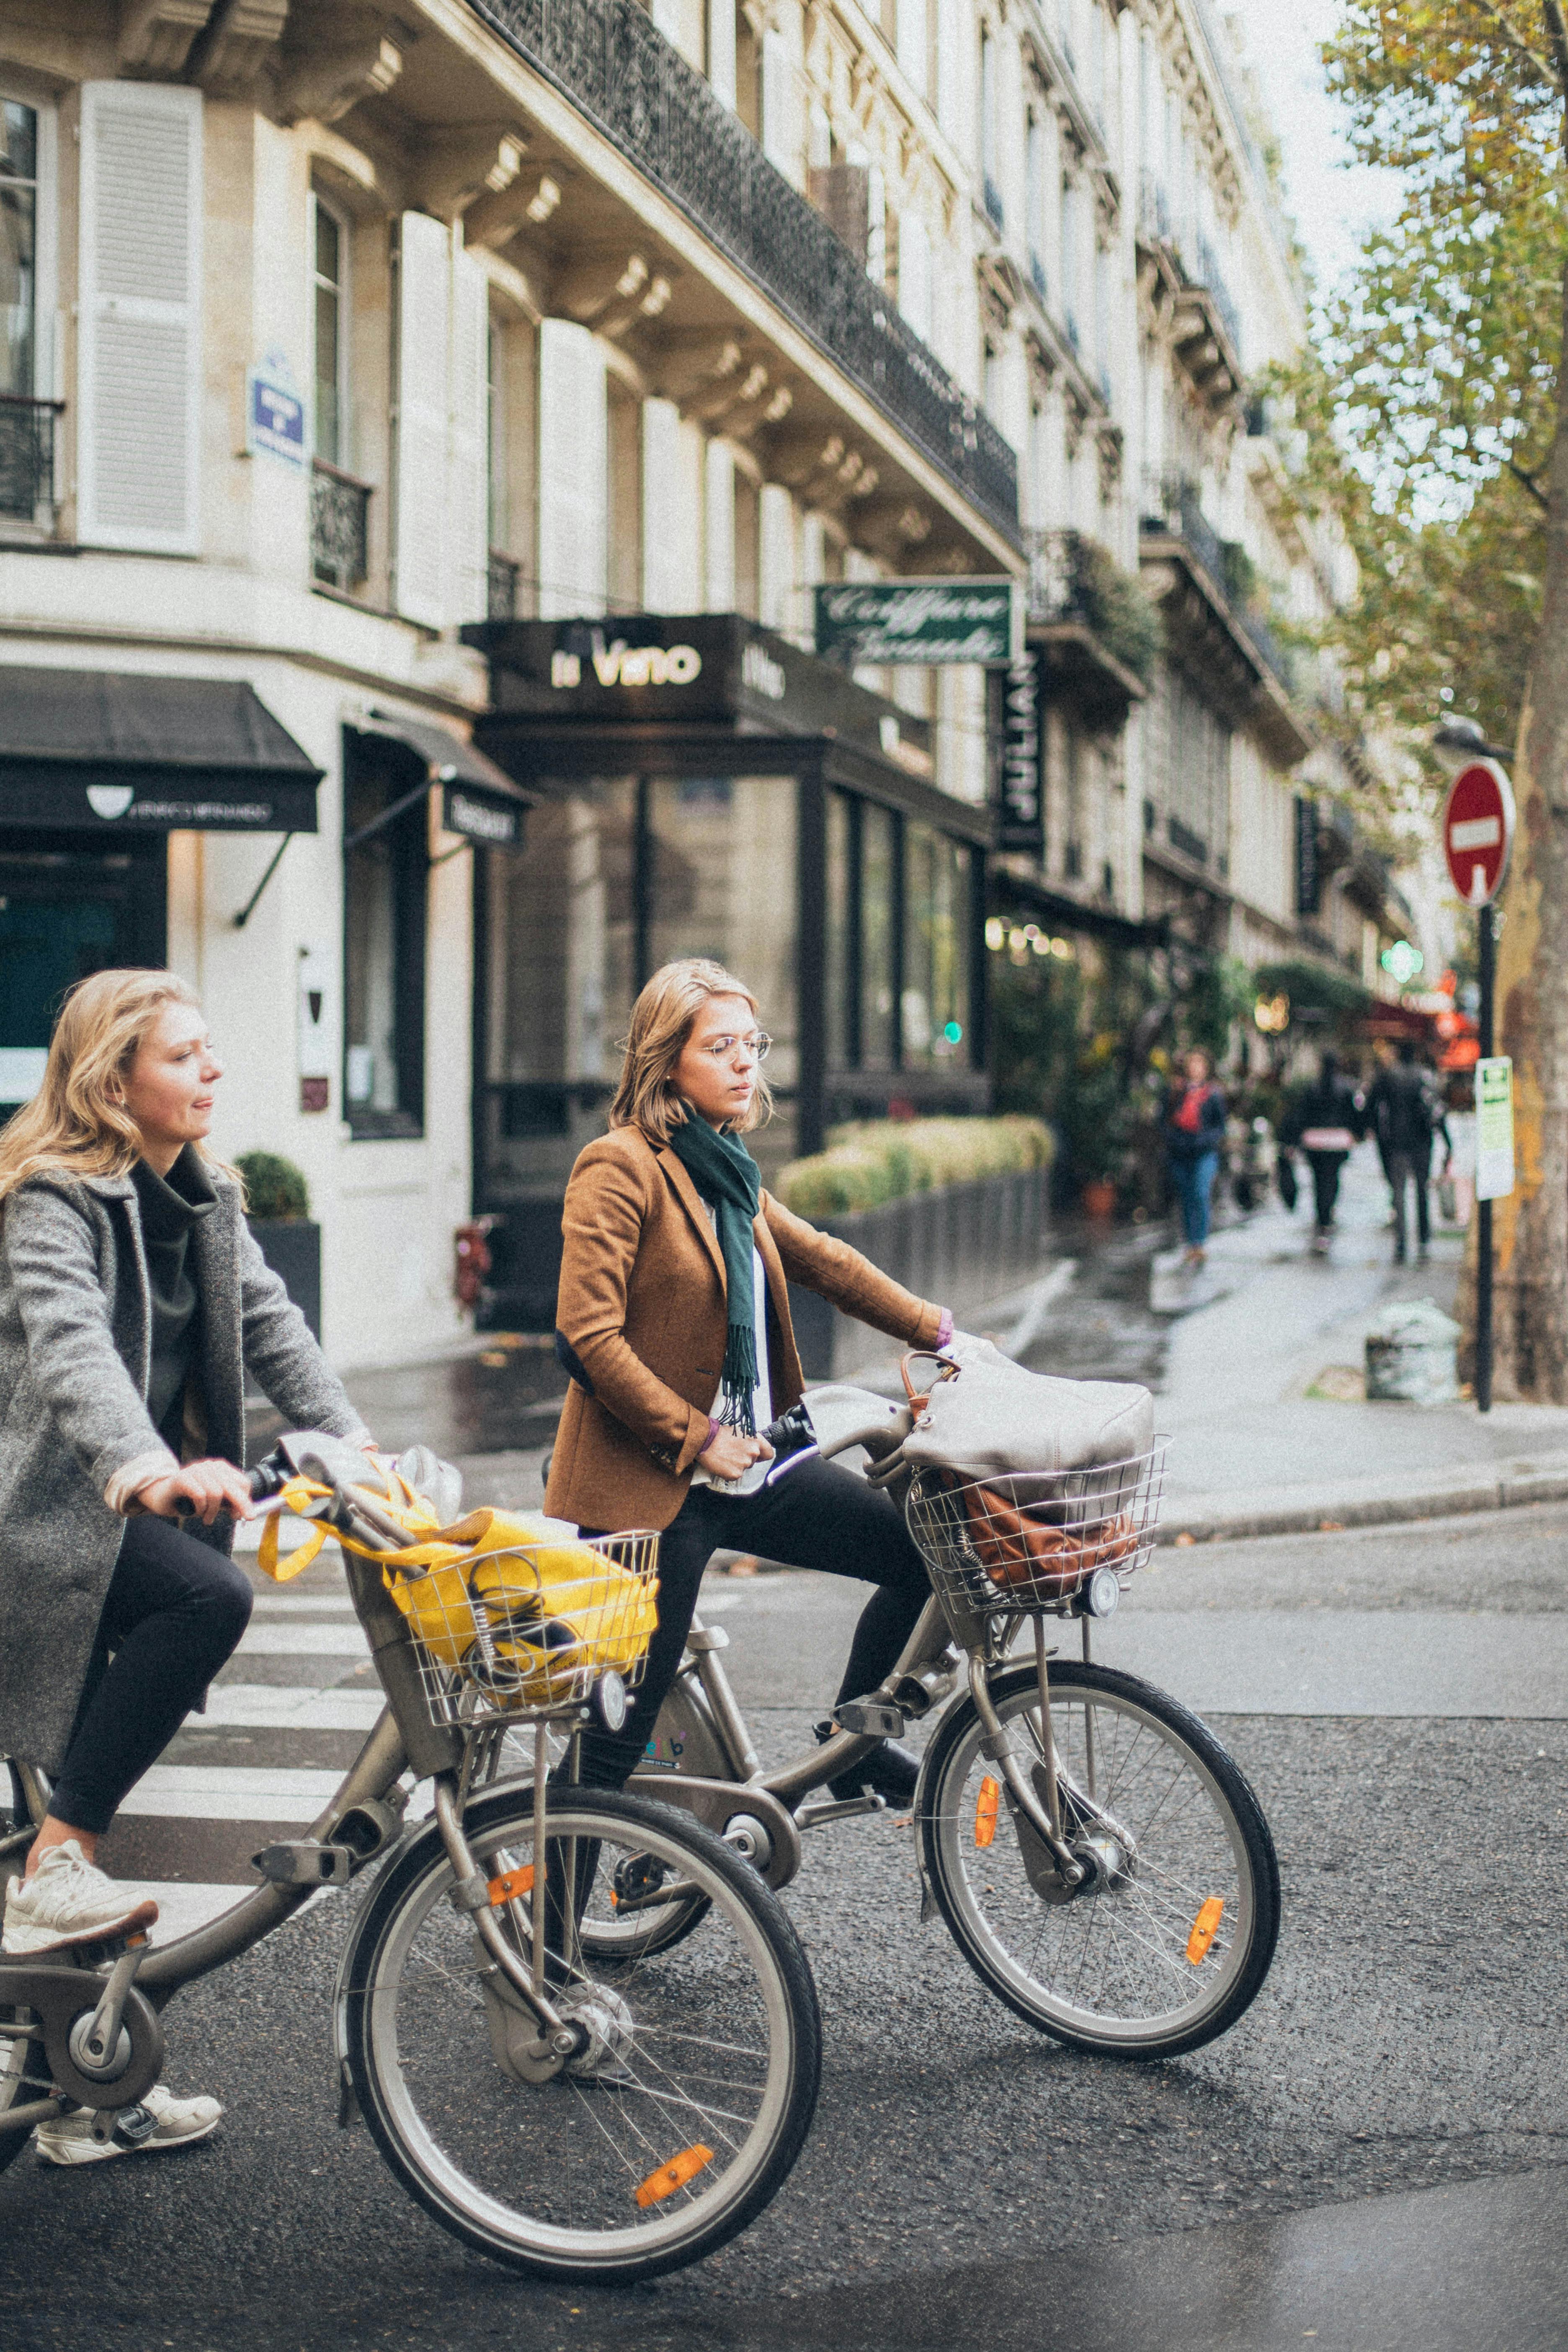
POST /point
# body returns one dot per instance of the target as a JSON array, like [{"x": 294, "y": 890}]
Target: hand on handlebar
[
  {"x": 728, "y": 1455},
  {"x": 198, "y": 1490}
]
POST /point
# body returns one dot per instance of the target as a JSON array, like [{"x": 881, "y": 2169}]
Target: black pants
[
  {"x": 1325, "y": 1167},
  {"x": 173, "y": 1614},
  {"x": 1413, "y": 1168},
  {"x": 816, "y": 1516}
]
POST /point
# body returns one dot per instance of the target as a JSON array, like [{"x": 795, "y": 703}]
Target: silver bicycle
[
  {"x": 545, "y": 2092},
  {"x": 1099, "y": 1857}
]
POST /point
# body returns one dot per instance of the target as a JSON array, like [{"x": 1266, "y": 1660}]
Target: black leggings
[
  {"x": 816, "y": 1516},
  {"x": 173, "y": 1615}
]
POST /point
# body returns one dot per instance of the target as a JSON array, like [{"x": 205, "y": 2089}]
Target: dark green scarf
[{"x": 725, "y": 1173}]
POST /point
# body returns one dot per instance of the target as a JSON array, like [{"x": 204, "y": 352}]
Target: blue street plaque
[{"x": 274, "y": 410}]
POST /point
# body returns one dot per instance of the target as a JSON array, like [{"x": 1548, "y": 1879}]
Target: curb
[{"x": 1207, "y": 1519}]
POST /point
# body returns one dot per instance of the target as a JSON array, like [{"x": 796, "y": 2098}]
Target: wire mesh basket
[
  {"x": 1027, "y": 1542},
  {"x": 528, "y": 1629}
]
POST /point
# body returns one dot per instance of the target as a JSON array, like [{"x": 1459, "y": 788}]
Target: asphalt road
[{"x": 967, "y": 2181}]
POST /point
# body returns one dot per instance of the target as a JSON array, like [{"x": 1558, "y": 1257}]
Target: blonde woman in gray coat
[{"x": 133, "y": 1301}]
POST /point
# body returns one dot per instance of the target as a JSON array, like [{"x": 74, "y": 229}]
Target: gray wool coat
[{"x": 75, "y": 1341}]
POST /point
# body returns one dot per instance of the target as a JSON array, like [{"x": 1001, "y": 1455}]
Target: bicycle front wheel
[
  {"x": 683, "y": 2117},
  {"x": 1169, "y": 1935}
]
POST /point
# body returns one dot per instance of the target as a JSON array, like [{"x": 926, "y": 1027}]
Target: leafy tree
[{"x": 1443, "y": 407}]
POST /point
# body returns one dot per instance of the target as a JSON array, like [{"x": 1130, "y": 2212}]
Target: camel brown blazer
[{"x": 642, "y": 1317}]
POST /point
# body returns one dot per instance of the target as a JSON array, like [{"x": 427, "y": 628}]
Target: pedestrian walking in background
[
  {"x": 1405, "y": 1113},
  {"x": 1194, "y": 1132},
  {"x": 1325, "y": 1123}
]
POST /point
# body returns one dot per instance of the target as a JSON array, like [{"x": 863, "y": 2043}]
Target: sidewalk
[{"x": 1262, "y": 1390}]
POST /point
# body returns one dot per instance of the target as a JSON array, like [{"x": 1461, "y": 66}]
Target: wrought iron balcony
[
  {"x": 27, "y": 456},
  {"x": 1171, "y": 507},
  {"x": 340, "y": 526},
  {"x": 500, "y": 598},
  {"x": 609, "y": 60}
]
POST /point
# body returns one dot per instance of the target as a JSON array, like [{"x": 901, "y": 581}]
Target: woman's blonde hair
[
  {"x": 660, "y": 1025},
  {"x": 77, "y": 1124}
]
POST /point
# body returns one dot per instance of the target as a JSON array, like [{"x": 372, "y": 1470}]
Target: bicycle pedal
[
  {"x": 870, "y": 1718},
  {"x": 305, "y": 1864}
]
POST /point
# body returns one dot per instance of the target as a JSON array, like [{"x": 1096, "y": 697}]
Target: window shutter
[
  {"x": 573, "y": 465},
  {"x": 139, "y": 373},
  {"x": 469, "y": 453},
  {"x": 422, "y": 529}
]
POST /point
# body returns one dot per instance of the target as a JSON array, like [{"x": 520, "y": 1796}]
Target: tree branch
[
  {"x": 1558, "y": 33},
  {"x": 1529, "y": 482},
  {"x": 1516, "y": 40}
]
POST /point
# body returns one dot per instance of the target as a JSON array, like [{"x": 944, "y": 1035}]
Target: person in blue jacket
[{"x": 1194, "y": 1132}]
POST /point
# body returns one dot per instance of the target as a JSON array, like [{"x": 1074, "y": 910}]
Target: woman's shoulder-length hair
[
  {"x": 660, "y": 1025},
  {"x": 77, "y": 1124}
]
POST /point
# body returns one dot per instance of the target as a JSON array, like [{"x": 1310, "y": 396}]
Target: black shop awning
[
  {"x": 478, "y": 799},
  {"x": 106, "y": 752}
]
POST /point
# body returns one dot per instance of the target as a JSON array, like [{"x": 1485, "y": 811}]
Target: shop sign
[
  {"x": 616, "y": 663},
  {"x": 274, "y": 411},
  {"x": 479, "y": 818},
  {"x": 926, "y": 621},
  {"x": 1023, "y": 810},
  {"x": 1494, "y": 1129}
]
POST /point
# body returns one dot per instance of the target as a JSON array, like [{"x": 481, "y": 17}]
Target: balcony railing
[
  {"x": 629, "y": 80},
  {"x": 504, "y": 571},
  {"x": 340, "y": 526},
  {"x": 1073, "y": 578},
  {"x": 27, "y": 455},
  {"x": 1171, "y": 504},
  {"x": 1195, "y": 256}
]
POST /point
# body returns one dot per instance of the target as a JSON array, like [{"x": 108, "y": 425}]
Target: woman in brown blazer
[{"x": 673, "y": 1321}]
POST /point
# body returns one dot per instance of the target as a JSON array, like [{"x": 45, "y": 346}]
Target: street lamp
[{"x": 1457, "y": 741}]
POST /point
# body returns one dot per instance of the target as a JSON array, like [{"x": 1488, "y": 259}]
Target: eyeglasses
[{"x": 756, "y": 1046}]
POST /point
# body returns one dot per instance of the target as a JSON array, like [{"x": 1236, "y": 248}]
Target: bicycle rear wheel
[
  {"x": 699, "y": 2087},
  {"x": 24, "y": 2069},
  {"x": 1170, "y": 1935}
]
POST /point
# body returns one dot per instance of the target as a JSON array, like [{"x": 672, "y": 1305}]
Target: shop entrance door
[{"x": 66, "y": 911}]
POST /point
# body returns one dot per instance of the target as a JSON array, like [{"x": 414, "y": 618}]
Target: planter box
[
  {"x": 292, "y": 1248},
  {"x": 960, "y": 1247}
]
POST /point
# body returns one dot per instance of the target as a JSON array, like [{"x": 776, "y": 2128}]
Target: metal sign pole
[{"x": 1486, "y": 941}]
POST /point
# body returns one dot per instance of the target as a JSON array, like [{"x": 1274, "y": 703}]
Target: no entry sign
[{"x": 1478, "y": 830}]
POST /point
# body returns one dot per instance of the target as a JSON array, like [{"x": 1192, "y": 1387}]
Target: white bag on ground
[{"x": 993, "y": 1417}]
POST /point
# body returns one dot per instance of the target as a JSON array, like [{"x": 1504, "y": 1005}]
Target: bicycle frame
[{"x": 361, "y": 1821}]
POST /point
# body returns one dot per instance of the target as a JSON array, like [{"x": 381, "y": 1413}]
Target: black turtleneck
[{"x": 171, "y": 1206}]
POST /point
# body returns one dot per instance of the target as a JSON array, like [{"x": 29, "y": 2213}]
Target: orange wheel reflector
[
  {"x": 510, "y": 1885},
  {"x": 1206, "y": 1928},
  {"x": 986, "y": 1811},
  {"x": 673, "y": 2175}
]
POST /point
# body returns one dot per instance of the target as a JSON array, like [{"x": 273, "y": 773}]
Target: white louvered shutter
[
  {"x": 574, "y": 471},
  {"x": 468, "y": 456},
  {"x": 139, "y": 373},
  {"x": 420, "y": 523}
]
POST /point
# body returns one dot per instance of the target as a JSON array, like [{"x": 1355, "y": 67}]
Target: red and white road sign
[{"x": 1478, "y": 830}]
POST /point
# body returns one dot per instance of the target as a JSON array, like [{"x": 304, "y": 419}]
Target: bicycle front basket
[
  {"x": 1025, "y": 1542},
  {"x": 528, "y": 1627}
]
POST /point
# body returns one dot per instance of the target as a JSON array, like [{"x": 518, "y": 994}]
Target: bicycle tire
[
  {"x": 1148, "y": 1924},
  {"x": 562, "y": 2197}
]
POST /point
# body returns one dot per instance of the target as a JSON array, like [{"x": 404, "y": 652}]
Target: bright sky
[{"x": 1332, "y": 199}]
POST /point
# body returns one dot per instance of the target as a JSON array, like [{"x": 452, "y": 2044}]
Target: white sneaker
[
  {"x": 68, "y": 1900},
  {"x": 160, "y": 2120}
]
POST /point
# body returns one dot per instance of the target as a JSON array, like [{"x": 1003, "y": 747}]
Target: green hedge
[
  {"x": 275, "y": 1190},
  {"x": 878, "y": 1160}
]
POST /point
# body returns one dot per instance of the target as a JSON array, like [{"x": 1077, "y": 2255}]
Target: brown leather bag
[{"x": 1019, "y": 1552}]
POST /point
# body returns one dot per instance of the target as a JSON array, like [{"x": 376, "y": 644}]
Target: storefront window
[
  {"x": 720, "y": 882},
  {"x": 878, "y": 938},
  {"x": 557, "y": 974},
  {"x": 843, "y": 1008},
  {"x": 936, "y": 948},
  {"x": 386, "y": 864},
  {"x": 19, "y": 247}
]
